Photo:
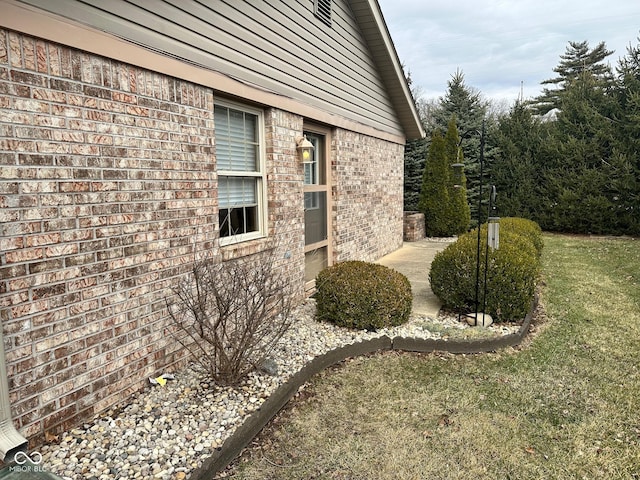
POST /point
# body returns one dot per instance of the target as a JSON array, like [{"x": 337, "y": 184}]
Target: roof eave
[{"x": 374, "y": 28}]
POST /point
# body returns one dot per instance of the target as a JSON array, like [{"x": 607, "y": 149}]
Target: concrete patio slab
[{"x": 413, "y": 260}]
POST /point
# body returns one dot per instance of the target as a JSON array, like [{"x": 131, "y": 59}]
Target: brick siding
[
  {"x": 414, "y": 226},
  {"x": 107, "y": 194},
  {"x": 367, "y": 196},
  {"x": 106, "y": 185}
]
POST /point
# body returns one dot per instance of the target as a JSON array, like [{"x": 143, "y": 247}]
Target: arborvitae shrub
[
  {"x": 434, "y": 194},
  {"x": 363, "y": 295},
  {"x": 513, "y": 270},
  {"x": 459, "y": 214}
]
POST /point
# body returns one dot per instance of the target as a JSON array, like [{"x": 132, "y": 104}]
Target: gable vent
[{"x": 323, "y": 11}]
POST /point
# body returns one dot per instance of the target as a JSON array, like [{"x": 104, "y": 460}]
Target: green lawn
[{"x": 564, "y": 406}]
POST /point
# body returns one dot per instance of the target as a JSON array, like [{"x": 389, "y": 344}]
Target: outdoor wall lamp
[{"x": 305, "y": 149}]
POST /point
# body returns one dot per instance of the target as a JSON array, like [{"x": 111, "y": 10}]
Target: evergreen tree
[
  {"x": 458, "y": 209},
  {"x": 628, "y": 93},
  {"x": 462, "y": 101},
  {"x": 577, "y": 60},
  {"x": 415, "y": 153},
  {"x": 579, "y": 171},
  {"x": 469, "y": 109},
  {"x": 434, "y": 195},
  {"x": 518, "y": 167},
  {"x": 625, "y": 159},
  {"x": 584, "y": 139}
]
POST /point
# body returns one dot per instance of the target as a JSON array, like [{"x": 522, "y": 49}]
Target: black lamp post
[
  {"x": 492, "y": 240},
  {"x": 481, "y": 181}
]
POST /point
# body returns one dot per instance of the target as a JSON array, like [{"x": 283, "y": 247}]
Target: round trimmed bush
[
  {"x": 526, "y": 228},
  {"x": 513, "y": 270},
  {"x": 363, "y": 295}
]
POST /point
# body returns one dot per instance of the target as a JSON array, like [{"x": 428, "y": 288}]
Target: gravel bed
[{"x": 166, "y": 432}]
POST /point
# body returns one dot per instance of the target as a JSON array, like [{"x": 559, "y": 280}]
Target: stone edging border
[{"x": 232, "y": 447}]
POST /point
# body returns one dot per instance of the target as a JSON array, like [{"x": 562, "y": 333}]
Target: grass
[{"x": 564, "y": 406}]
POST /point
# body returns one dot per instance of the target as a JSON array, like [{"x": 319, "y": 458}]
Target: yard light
[
  {"x": 493, "y": 227},
  {"x": 458, "y": 169},
  {"x": 493, "y": 233},
  {"x": 481, "y": 180},
  {"x": 493, "y": 242}
]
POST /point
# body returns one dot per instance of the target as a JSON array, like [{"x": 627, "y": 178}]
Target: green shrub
[
  {"x": 434, "y": 193},
  {"x": 513, "y": 270},
  {"x": 525, "y": 227},
  {"x": 363, "y": 295}
]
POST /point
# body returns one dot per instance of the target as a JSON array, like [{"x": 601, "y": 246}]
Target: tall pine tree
[
  {"x": 577, "y": 60},
  {"x": 579, "y": 170},
  {"x": 584, "y": 141},
  {"x": 626, "y": 157},
  {"x": 415, "y": 154},
  {"x": 469, "y": 109},
  {"x": 518, "y": 165}
]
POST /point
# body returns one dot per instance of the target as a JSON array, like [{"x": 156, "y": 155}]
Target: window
[
  {"x": 240, "y": 173},
  {"x": 323, "y": 11}
]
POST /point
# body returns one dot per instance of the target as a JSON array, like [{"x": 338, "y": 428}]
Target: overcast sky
[{"x": 498, "y": 44}]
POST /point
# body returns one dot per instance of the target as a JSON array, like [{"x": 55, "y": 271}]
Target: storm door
[{"x": 317, "y": 193}]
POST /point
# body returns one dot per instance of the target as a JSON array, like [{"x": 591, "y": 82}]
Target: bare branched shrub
[{"x": 230, "y": 315}]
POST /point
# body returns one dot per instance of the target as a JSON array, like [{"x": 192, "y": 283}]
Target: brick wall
[
  {"x": 107, "y": 193},
  {"x": 367, "y": 196},
  {"x": 285, "y": 207},
  {"x": 107, "y": 187},
  {"x": 414, "y": 226}
]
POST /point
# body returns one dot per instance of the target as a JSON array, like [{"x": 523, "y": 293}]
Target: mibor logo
[{"x": 21, "y": 458}]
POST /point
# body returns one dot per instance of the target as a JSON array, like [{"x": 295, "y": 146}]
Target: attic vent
[{"x": 323, "y": 10}]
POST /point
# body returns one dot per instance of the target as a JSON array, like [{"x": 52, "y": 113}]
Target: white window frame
[{"x": 260, "y": 175}]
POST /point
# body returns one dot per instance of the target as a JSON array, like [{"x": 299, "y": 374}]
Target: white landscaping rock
[{"x": 173, "y": 427}]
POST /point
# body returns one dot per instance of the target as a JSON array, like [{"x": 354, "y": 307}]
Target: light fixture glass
[
  {"x": 493, "y": 233},
  {"x": 458, "y": 171},
  {"x": 305, "y": 149}
]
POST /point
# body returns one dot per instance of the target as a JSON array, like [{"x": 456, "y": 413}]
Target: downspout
[{"x": 11, "y": 441}]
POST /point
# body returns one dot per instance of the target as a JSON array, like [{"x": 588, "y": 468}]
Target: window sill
[
  {"x": 243, "y": 248},
  {"x": 240, "y": 238}
]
